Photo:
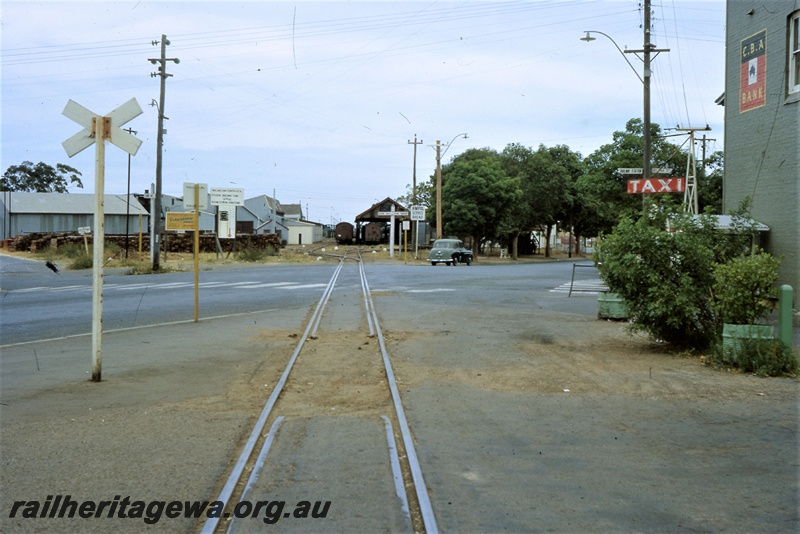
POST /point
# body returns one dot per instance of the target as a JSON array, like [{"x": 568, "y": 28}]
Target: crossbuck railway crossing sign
[{"x": 96, "y": 130}]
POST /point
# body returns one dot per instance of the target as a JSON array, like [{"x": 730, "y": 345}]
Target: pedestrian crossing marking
[{"x": 589, "y": 287}]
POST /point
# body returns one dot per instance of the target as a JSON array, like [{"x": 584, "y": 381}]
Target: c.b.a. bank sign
[{"x": 753, "y": 74}]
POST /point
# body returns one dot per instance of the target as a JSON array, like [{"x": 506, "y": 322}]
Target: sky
[{"x": 319, "y": 103}]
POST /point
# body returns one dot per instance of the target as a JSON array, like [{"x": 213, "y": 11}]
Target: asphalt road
[
  {"x": 39, "y": 304},
  {"x": 529, "y": 415}
]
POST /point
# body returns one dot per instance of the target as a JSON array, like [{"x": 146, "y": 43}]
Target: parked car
[{"x": 449, "y": 251}]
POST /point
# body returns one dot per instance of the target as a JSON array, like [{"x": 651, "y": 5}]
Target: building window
[{"x": 794, "y": 53}]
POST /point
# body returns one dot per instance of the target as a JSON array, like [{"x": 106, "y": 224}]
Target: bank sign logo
[{"x": 753, "y": 77}]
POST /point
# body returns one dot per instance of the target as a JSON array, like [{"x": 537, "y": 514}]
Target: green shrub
[
  {"x": 662, "y": 265},
  {"x": 83, "y": 261},
  {"x": 743, "y": 288},
  {"x": 763, "y": 357}
]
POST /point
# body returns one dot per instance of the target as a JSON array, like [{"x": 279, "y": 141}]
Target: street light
[
  {"x": 646, "y": 50},
  {"x": 588, "y": 38},
  {"x": 439, "y": 157}
]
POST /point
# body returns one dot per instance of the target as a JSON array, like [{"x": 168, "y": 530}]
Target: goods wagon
[
  {"x": 373, "y": 233},
  {"x": 344, "y": 233}
]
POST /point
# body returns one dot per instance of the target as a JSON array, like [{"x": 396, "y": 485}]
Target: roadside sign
[
  {"x": 188, "y": 196},
  {"x": 390, "y": 213},
  {"x": 226, "y": 221},
  {"x": 230, "y": 196},
  {"x": 657, "y": 185},
  {"x": 417, "y": 213},
  {"x": 180, "y": 221},
  {"x": 639, "y": 170}
]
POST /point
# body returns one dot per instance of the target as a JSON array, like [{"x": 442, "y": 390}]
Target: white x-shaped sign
[{"x": 86, "y": 118}]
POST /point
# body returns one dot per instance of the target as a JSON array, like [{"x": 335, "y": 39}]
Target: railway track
[{"x": 333, "y": 430}]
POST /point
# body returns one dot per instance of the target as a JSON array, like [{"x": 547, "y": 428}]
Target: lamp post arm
[
  {"x": 587, "y": 39},
  {"x": 447, "y": 146}
]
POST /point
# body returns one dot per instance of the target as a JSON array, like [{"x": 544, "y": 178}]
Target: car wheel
[
  {"x": 468, "y": 262},
  {"x": 447, "y": 263},
  {"x": 433, "y": 263},
  {"x": 455, "y": 261}
]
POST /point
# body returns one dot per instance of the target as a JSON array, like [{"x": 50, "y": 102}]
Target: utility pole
[
  {"x": 438, "y": 190},
  {"x": 439, "y": 154},
  {"x": 704, "y": 141},
  {"x": 646, "y": 157},
  {"x": 128, "y": 198},
  {"x": 156, "y": 212},
  {"x": 648, "y": 49},
  {"x": 414, "y": 175},
  {"x": 414, "y": 192}
]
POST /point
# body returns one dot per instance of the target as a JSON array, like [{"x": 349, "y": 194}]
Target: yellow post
[
  {"x": 140, "y": 237},
  {"x": 405, "y": 245}
]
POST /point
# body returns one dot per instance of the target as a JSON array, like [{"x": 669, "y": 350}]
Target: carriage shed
[
  {"x": 33, "y": 213},
  {"x": 371, "y": 215}
]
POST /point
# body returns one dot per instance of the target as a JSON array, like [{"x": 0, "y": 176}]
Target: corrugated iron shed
[{"x": 70, "y": 204}]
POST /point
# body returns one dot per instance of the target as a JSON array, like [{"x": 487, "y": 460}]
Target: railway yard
[{"x": 391, "y": 398}]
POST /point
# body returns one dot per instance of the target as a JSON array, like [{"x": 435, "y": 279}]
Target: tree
[
  {"x": 604, "y": 190},
  {"x": 709, "y": 184},
  {"x": 425, "y": 192},
  {"x": 477, "y": 195},
  {"x": 546, "y": 185},
  {"x": 40, "y": 178}
]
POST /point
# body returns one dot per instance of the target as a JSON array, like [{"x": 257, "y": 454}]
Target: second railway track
[{"x": 331, "y": 449}]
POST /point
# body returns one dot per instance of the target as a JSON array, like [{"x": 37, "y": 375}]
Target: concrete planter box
[
  {"x": 611, "y": 306},
  {"x": 732, "y": 334}
]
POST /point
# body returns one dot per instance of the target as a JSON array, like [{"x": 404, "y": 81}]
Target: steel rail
[
  {"x": 262, "y": 457},
  {"x": 363, "y": 277},
  {"x": 428, "y": 518},
  {"x": 211, "y": 524},
  {"x": 327, "y": 294}
]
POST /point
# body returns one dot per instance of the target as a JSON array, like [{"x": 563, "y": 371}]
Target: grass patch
[{"x": 254, "y": 254}]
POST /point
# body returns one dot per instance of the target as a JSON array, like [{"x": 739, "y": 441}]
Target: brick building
[{"x": 762, "y": 122}]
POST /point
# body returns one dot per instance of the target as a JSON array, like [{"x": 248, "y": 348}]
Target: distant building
[
  {"x": 303, "y": 232},
  {"x": 762, "y": 122},
  {"x": 29, "y": 213},
  {"x": 293, "y": 211},
  {"x": 42, "y": 213},
  {"x": 261, "y": 215}
]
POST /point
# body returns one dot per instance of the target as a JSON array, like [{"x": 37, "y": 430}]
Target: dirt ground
[{"x": 174, "y": 431}]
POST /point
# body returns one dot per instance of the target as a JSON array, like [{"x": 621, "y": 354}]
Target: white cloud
[{"x": 319, "y": 100}]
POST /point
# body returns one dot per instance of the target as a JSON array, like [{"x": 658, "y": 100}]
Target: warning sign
[{"x": 177, "y": 221}]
